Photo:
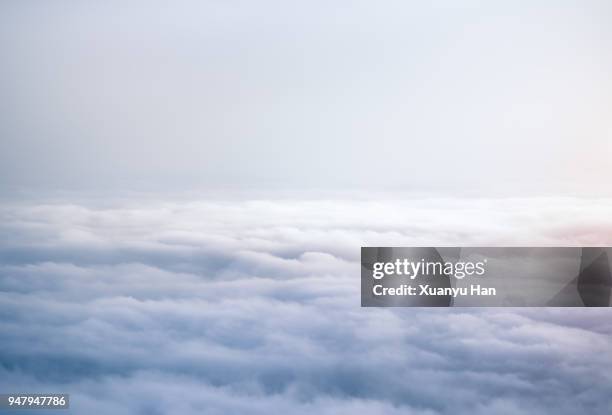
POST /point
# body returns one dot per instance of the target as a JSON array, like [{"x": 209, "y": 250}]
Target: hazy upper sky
[{"x": 444, "y": 95}]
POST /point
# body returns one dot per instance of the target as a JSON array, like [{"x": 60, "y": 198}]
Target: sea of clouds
[{"x": 230, "y": 306}]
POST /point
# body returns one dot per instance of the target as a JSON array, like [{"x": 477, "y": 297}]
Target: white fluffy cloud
[{"x": 253, "y": 307}]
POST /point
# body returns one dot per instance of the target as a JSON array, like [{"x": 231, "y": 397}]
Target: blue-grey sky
[{"x": 504, "y": 97}]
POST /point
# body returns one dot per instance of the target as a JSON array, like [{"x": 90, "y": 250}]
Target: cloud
[{"x": 253, "y": 307}]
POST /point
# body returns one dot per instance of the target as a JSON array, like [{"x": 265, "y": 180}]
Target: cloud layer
[{"x": 252, "y": 307}]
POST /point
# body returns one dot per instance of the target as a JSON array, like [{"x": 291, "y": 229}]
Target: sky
[
  {"x": 510, "y": 98},
  {"x": 185, "y": 186}
]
